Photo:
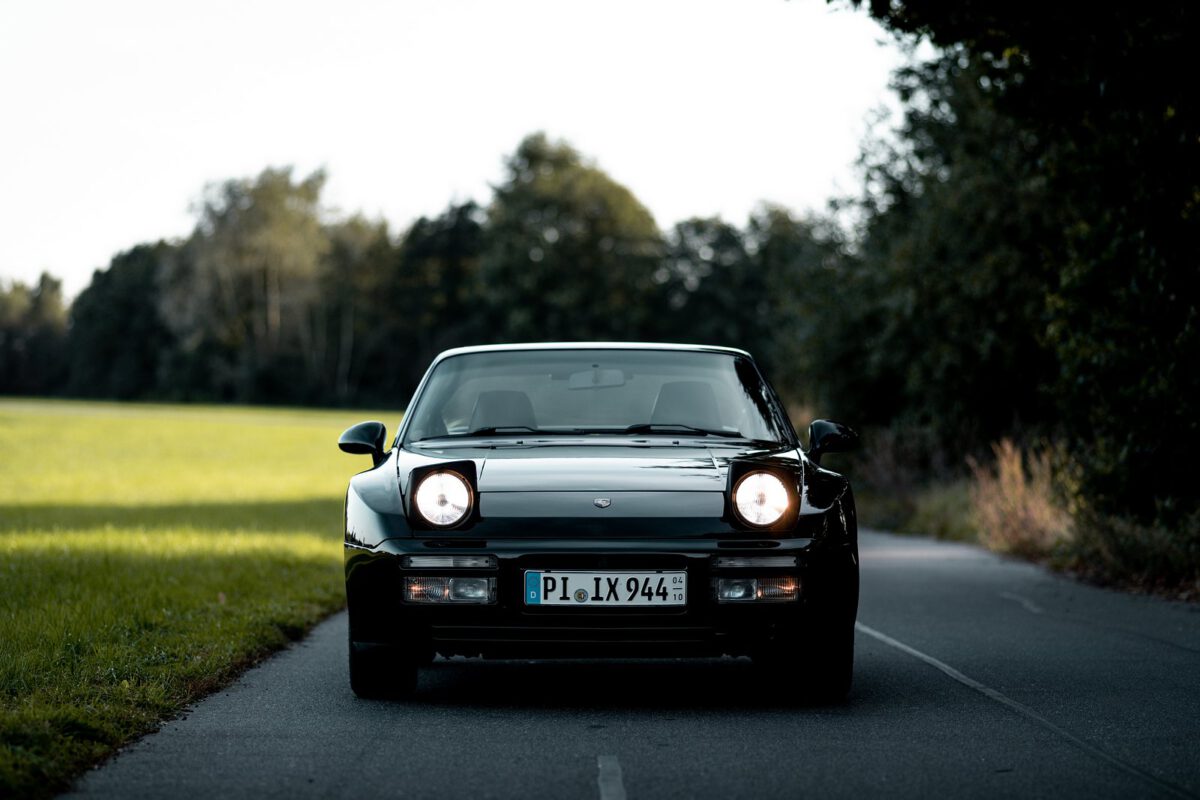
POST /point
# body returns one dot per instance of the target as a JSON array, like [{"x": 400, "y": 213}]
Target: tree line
[
  {"x": 268, "y": 301},
  {"x": 1021, "y": 262}
]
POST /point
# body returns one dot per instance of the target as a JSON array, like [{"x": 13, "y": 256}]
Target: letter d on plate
[{"x": 533, "y": 588}]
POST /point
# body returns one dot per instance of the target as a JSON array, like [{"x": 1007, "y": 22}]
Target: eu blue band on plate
[{"x": 533, "y": 588}]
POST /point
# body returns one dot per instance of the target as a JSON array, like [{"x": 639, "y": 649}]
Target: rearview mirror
[
  {"x": 596, "y": 378},
  {"x": 829, "y": 437},
  {"x": 366, "y": 439}
]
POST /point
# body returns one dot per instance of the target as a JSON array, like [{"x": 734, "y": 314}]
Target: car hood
[
  {"x": 637, "y": 488},
  {"x": 606, "y": 469},
  {"x": 598, "y": 483}
]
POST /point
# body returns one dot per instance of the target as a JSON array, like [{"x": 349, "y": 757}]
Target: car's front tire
[
  {"x": 829, "y": 668},
  {"x": 381, "y": 672},
  {"x": 819, "y": 663}
]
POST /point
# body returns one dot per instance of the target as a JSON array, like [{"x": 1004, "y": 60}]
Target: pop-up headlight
[
  {"x": 760, "y": 499},
  {"x": 443, "y": 499}
]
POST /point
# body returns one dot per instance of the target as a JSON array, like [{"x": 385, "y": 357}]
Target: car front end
[{"x": 481, "y": 533}]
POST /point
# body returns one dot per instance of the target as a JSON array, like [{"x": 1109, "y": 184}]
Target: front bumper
[{"x": 827, "y": 574}]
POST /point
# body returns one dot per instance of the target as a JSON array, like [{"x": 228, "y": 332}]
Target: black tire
[
  {"x": 820, "y": 664},
  {"x": 829, "y": 661},
  {"x": 380, "y": 672},
  {"x": 830, "y": 667}
]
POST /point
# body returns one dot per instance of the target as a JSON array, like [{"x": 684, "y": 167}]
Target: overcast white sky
[{"x": 114, "y": 115}]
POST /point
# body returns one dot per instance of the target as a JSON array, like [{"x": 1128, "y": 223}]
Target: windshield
[{"x": 578, "y": 392}]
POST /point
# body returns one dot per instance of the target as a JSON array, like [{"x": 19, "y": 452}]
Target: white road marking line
[
  {"x": 1028, "y": 713},
  {"x": 1027, "y": 604},
  {"x": 611, "y": 785}
]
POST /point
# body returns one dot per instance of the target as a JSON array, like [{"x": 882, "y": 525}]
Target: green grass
[{"x": 147, "y": 554}]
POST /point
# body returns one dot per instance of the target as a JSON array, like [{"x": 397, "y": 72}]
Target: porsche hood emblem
[{"x": 602, "y": 502}]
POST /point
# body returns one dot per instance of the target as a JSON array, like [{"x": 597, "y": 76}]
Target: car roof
[{"x": 494, "y": 348}]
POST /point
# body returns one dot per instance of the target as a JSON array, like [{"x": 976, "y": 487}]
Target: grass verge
[
  {"x": 1013, "y": 504},
  {"x": 147, "y": 554}
]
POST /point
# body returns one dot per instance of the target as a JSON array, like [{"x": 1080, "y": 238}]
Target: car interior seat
[
  {"x": 687, "y": 403},
  {"x": 502, "y": 408}
]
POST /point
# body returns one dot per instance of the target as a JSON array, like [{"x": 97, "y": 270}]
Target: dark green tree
[
  {"x": 805, "y": 299},
  {"x": 425, "y": 298},
  {"x": 951, "y": 268},
  {"x": 242, "y": 297},
  {"x": 117, "y": 340},
  {"x": 32, "y": 336},
  {"x": 714, "y": 295},
  {"x": 570, "y": 252},
  {"x": 351, "y": 273},
  {"x": 1106, "y": 96}
]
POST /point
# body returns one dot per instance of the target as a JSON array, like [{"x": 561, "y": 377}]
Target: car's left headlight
[
  {"x": 443, "y": 498},
  {"x": 761, "y": 499}
]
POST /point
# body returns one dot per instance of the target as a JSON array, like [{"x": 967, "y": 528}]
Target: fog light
[
  {"x": 763, "y": 590},
  {"x": 449, "y": 590},
  {"x": 734, "y": 590},
  {"x": 471, "y": 590}
]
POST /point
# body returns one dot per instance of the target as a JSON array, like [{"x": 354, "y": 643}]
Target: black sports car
[{"x": 579, "y": 499}]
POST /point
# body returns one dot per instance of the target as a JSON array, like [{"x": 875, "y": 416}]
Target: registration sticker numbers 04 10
[{"x": 595, "y": 589}]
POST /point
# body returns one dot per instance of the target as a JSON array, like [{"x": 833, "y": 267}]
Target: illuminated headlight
[
  {"x": 760, "y": 499},
  {"x": 450, "y": 590},
  {"x": 443, "y": 498}
]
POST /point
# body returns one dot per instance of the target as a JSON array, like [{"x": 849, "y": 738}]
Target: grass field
[{"x": 147, "y": 554}]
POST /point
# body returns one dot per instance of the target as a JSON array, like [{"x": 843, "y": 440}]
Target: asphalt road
[{"x": 976, "y": 676}]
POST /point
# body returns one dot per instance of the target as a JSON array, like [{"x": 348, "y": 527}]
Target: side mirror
[
  {"x": 829, "y": 437},
  {"x": 365, "y": 439}
]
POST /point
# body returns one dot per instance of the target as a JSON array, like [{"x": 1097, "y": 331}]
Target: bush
[
  {"x": 1116, "y": 551},
  {"x": 903, "y": 483},
  {"x": 943, "y": 511},
  {"x": 883, "y": 481},
  {"x": 1015, "y": 505}
]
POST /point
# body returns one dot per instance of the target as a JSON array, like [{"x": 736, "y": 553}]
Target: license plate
[{"x": 605, "y": 589}]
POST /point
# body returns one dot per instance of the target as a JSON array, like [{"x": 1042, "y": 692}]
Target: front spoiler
[{"x": 828, "y": 575}]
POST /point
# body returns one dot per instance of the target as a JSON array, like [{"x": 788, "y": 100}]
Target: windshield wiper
[
  {"x": 501, "y": 429},
  {"x": 675, "y": 427},
  {"x": 666, "y": 428},
  {"x": 492, "y": 430}
]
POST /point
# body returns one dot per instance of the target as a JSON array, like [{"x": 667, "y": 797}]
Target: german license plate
[{"x": 605, "y": 589}]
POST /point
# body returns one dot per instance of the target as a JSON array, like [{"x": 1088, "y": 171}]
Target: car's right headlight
[
  {"x": 761, "y": 499},
  {"x": 443, "y": 498}
]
